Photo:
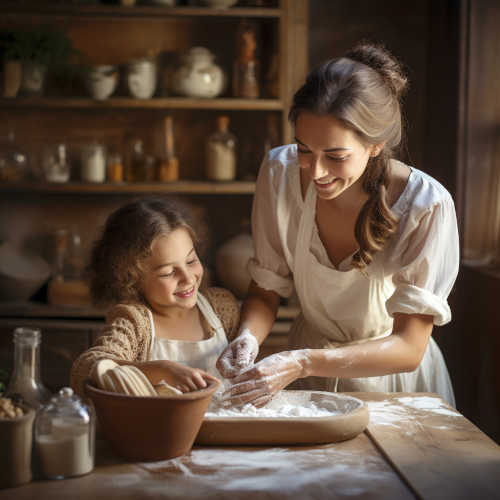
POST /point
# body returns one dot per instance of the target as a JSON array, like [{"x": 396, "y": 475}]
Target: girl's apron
[{"x": 202, "y": 354}]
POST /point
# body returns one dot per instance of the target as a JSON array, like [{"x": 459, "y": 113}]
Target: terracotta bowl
[{"x": 150, "y": 428}]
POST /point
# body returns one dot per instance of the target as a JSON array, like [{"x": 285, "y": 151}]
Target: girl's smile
[{"x": 173, "y": 273}]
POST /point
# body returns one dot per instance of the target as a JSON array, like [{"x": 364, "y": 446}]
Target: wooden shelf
[
  {"x": 31, "y": 309},
  {"x": 180, "y": 187},
  {"x": 155, "y": 103},
  {"x": 96, "y": 11}
]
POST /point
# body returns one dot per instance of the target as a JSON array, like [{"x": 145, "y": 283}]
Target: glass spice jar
[
  {"x": 221, "y": 152},
  {"x": 115, "y": 168}
]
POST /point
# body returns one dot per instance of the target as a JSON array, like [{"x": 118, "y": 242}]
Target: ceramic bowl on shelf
[
  {"x": 101, "y": 81},
  {"x": 147, "y": 428},
  {"x": 21, "y": 273}
]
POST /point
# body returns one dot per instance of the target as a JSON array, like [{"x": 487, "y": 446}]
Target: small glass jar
[
  {"x": 56, "y": 166},
  {"x": 65, "y": 436},
  {"x": 115, "y": 168},
  {"x": 93, "y": 158},
  {"x": 221, "y": 153}
]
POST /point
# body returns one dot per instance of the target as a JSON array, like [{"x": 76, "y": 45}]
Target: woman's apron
[
  {"x": 202, "y": 354},
  {"x": 348, "y": 307}
]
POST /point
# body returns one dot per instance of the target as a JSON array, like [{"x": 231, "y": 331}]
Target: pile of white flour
[{"x": 285, "y": 404}]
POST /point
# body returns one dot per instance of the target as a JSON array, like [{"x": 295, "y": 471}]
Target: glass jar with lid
[
  {"x": 65, "y": 436},
  {"x": 93, "y": 160},
  {"x": 221, "y": 152}
]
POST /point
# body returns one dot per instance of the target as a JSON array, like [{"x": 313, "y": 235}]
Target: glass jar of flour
[{"x": 65, "y": 436}]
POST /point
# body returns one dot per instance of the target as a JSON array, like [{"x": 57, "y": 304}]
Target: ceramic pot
[
  {"x": 12, "y": 77},
  {"x": 231, "y": 261},
  {"x": 198, "y": 75},
  {"x": 141, "y": 78},
  {"x": 151, "y": 428},
  {"x": 33, "y": 80},
  {"x": 101, "y": 81},
  {"x": 15, "y": 452}
]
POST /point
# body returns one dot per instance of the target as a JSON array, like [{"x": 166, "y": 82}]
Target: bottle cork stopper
[{"x": 223, "y": 122}]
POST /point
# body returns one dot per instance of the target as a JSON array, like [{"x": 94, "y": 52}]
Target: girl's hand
[
  {"x": 238, "y": 355},
  {"x": 261, "y": 382},
  {"x": 180, "y": 376}
]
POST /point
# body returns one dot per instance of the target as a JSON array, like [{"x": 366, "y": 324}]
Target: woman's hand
[
  {"x": 261, "y": 382},
  {"x": 180, "y": 376},
  {"x": 238, "y": 355}
]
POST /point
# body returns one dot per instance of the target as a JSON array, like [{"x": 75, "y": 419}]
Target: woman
[{"x": 369, "y": 244}]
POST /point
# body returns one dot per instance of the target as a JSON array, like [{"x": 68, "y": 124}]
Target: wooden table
[{"x": 415, "y": 446}]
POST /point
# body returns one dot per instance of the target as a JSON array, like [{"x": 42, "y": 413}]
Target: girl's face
[
  {"x": 173, "y": 272},
  {"x": 331, "y": 153}
]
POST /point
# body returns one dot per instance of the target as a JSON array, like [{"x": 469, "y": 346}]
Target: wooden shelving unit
[
  {"x": 35, "y": 8},
  {"x": 158, "y": 103},
  {"x": 186, "y": 187}
]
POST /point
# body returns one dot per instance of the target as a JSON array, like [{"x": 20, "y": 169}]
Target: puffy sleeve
[
  {"x": 428, "y": 263},
  {"x": 269, "y": 268}
]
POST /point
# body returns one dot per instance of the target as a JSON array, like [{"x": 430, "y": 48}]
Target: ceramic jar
[
  {"x": 101, "y": 81},
  {"x": 93, "y": 159},
  {"x": 231, "y": 261},
  {"x": 141, "y": 78},
  {"x": 33, "y": 78},
  {"x": 198, "y": 75}
]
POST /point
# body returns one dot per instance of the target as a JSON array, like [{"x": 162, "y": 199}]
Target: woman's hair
[
  {"x": 117, "y": 256},
  {"x": 363, "y": 90}
]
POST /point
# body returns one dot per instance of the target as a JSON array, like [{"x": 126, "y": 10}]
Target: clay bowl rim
[
  {"x": 186, "y": 396},
  {"x": 361, "y": 409}
]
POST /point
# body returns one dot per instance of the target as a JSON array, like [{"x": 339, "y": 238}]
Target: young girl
[
  {"x": 369, "y": 244},
  {"x": 145, "y": 266}
]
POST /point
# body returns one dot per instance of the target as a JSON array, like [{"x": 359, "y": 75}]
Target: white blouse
[{"x": 419, "y": 264}]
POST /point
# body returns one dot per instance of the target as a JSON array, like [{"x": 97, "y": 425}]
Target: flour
[{"x": 286, "y": 404}]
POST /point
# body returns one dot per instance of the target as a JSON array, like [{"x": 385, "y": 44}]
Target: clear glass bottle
[
  {"x": 137, "y": 169},
  {"x": 26, "y": 384},
  {"x": 13, "y": 160},
  {"x": 65, "y": 436},
  {"x": 56, "y": 166},
  {"x": 221, "y": 152},
  {"x": 246, "y": 67},
  {"x": 168, "y": 167}
]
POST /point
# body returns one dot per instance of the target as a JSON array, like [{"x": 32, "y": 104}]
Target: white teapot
[{"x": 198, "y": 76}]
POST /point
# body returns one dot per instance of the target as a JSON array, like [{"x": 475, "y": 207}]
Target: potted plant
[{"x": 40, "y": 49}]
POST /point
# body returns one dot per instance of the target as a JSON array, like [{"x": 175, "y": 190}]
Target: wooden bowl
[
  {"x": 150, "y": 428},
  {"x": 351, "y": 417}
]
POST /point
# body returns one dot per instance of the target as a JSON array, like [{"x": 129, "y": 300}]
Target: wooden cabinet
[
  {"x": 30, "y": 210},
  {"x": 113, "y": 34}
]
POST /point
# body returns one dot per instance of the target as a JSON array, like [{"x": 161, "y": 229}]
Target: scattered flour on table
[{"x": 283, "y": 405}]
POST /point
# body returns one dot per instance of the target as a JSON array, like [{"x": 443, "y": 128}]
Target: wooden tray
[{"x": 353, "y": 417}]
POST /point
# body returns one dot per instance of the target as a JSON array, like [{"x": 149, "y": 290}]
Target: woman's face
[
  {"x": 331, "y": 153},
  {"x": 173, "y": 272}
]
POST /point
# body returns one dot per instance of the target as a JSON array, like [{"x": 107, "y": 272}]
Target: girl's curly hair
[{"x": 116, "y": 259}]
